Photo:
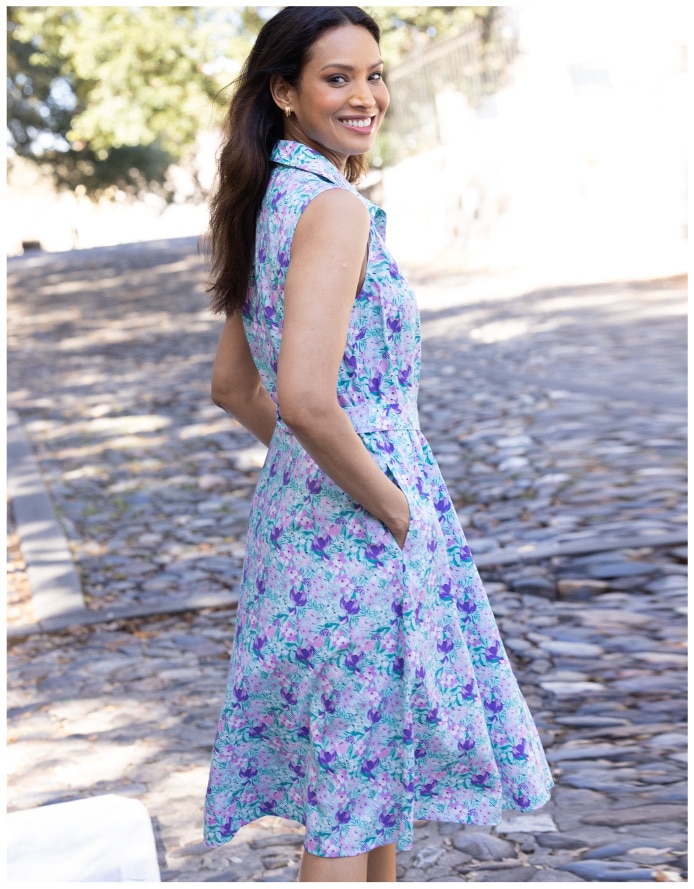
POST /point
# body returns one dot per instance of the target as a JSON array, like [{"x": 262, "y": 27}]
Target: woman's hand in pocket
[{"x": 399, "y": 525}]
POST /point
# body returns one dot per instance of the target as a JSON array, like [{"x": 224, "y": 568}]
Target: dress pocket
[{"x": 412, "y": 529}]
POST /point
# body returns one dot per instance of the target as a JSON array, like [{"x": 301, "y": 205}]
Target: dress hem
[{"x": 419, "y": 815}]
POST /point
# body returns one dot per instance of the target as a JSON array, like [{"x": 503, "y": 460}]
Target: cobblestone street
[{"x": 558, "y": 416}]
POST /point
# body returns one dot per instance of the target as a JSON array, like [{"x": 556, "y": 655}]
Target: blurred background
[{"x": 538, "y": 135}]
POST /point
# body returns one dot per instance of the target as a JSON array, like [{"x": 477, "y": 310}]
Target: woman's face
[{"x": 340, "y": 100}]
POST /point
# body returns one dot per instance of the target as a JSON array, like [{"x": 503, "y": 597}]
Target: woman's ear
[{"x": 280, "y": 92}]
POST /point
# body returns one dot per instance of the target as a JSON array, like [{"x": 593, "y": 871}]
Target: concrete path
[{"x": 558, "y": 416}]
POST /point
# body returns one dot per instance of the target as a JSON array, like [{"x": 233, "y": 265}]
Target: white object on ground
[{"x": 103, "y": 839}]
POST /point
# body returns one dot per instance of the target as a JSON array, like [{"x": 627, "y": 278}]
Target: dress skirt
[{"x": 368, "y": 685}]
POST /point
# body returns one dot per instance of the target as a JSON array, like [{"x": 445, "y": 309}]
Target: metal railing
[{"x": 466, "y": 63}]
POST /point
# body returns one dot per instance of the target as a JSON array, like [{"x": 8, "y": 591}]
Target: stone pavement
[{"x": 558, "y": 415}]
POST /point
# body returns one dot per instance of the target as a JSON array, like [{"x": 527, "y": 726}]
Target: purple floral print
[{"x": 368, "y": 686}]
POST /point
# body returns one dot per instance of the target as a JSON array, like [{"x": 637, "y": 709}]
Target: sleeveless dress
[{"x": 368, "y": 686}]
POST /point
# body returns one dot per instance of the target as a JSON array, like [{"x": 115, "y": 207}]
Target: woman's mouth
[{"x": 359, "y": 124}]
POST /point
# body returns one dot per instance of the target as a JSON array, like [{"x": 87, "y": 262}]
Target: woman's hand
[{"x": 399, "y": 526}]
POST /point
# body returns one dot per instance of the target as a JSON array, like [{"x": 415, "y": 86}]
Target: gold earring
[{"x": 287, "y": 111}]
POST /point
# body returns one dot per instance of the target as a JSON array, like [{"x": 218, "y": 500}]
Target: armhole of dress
[{"x": 364, "y": 266}]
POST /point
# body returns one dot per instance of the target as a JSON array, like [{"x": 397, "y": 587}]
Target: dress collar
[
  {"x": 296, "y": 154},
  {"x": 301, "y": 157}
]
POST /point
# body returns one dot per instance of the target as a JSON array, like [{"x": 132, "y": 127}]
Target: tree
[
  {"x": 406, "y": 28},
  {"x": 104, "y": 97}
]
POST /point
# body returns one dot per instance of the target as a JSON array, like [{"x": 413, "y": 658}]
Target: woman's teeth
[{"x": 358, "y": 123}]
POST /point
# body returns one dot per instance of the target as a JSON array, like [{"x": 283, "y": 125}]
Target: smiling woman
[
  {"x": 336, "y": 107},
  {"x": 282, "y": 56},
  {"x": 368, "y": 686}
]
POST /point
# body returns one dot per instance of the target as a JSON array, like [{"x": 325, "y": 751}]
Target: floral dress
[{"x": 368, "y": 685}]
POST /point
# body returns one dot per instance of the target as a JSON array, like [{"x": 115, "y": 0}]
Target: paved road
[{"x": 559, "y": 418}]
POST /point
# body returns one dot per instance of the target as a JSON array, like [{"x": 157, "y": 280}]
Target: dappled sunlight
[
  {"x": 130, "y": 424},
  {"x": 153, "y": 481},
  {"x": 498, "y": 331},
  {"x": 88, "y": 750},
  {"x": 76, "y": 776},
  {"x": 555, "y": 413},
  {"x": 116, "y": 398},
  {"x": 553, "y": 312},
  {"x": 488, "y": 320}
]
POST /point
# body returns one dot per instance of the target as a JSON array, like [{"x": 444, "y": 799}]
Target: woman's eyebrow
[{"x": 349, "y": 67}]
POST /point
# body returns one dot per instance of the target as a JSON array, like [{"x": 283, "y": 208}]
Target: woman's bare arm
[
  {"x": 236, "y": 383},
  {"x": 326, "y": 258}
]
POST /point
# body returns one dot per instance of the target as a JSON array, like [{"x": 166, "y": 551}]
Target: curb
[
  {"x": 90, "y": 617},
  {"x": 55, "y": 586},
  {"x": 583, "y": 546}
]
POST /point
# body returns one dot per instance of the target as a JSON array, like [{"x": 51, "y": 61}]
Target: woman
[{"x": 368, "y": 686}]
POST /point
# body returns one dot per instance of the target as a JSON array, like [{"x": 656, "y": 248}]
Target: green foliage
[
  {"x": 407, "y": 28},
  {"x": 111, "y": 96},
  {"x": 33, "y": 106}
]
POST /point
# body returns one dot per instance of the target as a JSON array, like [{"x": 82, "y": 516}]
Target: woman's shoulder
[
  {"x": 298, "y": 176},
  {"x": 291, "y": 191}
]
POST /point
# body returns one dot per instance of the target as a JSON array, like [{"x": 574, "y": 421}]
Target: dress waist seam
[{"x": 368, "y": 417}]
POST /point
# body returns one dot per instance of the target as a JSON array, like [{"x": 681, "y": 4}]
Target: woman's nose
[{"x": 362, "y": 96}]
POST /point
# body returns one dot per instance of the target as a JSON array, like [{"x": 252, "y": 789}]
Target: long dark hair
[{"x": 252, "y": 126}]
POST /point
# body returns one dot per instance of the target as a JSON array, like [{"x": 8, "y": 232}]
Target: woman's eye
[{"x": 342, "y": 78}]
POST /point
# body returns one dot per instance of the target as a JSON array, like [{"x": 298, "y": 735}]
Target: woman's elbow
[
  {"x": 304, "y": 412},
  {"x": 224, "y": 396},
  {"x": 218, "y": 394}
]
